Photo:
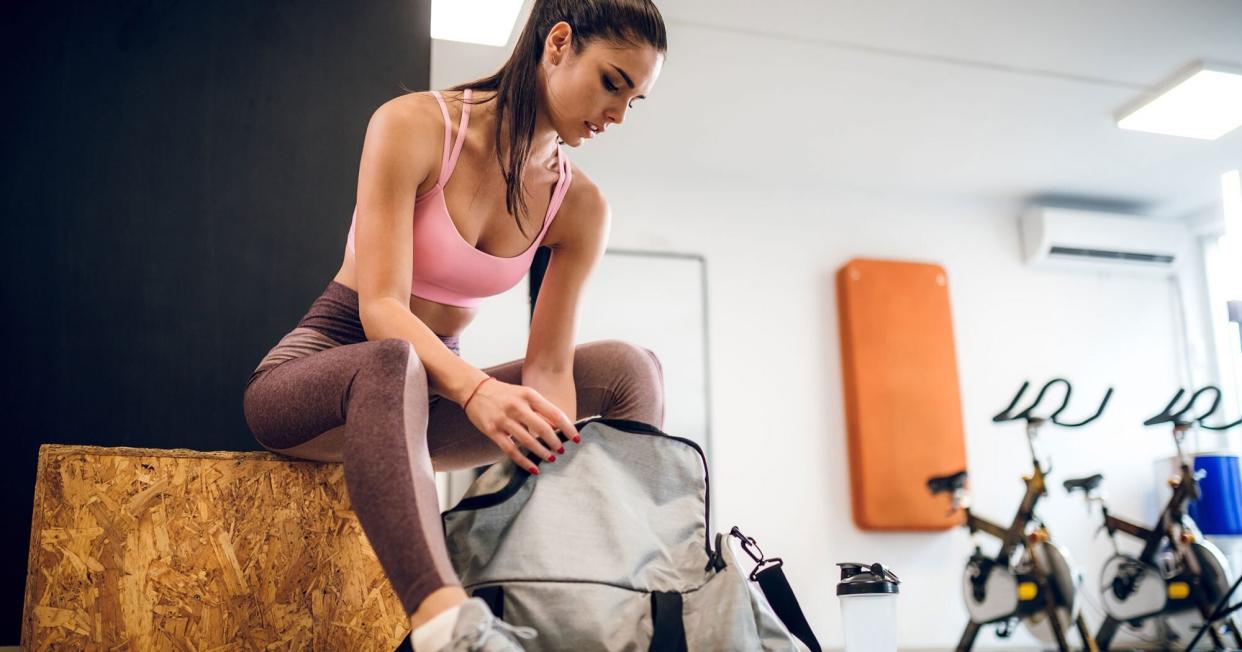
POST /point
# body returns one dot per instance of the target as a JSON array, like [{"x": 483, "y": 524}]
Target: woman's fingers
[
  {"x": 522, "y": 436},
  {"x": 538, "y": 425},
  {"x": 530, "y": 421},
  {"x": 555, "y": 417},
  {"x": 506, "y": 444}
]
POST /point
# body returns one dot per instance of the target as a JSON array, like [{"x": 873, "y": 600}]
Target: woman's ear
[{"x": 560, "y": 39}]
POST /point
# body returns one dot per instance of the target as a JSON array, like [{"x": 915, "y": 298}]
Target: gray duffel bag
[{"x": 607, "y": 549}]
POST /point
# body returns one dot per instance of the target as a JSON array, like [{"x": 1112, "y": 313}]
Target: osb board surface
[{"x": 146, "y": 549}]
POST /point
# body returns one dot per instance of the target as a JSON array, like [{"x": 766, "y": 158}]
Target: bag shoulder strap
[{"x": 776, "y": 589}]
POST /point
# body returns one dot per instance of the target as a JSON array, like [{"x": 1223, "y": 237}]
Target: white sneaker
[{"x": 478, "y": 630}]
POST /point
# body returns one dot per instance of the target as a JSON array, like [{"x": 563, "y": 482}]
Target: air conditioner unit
[{"x": 1066, "y": 238}]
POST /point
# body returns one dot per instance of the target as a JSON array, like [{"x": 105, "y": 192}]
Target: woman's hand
[{"x": 512, "y": 415}]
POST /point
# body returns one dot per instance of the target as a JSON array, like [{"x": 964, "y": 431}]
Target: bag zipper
[{"x": 629, "y": 425}]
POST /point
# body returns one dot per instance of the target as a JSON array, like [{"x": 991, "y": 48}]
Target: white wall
[
  {"x": 779, "y": 451},
  {"x": 779, "y": 458}
]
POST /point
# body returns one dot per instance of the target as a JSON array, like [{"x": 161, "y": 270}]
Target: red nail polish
[
  {"x": 577, "y": 439},
  {"x": 561, "y": 450},
  {"x": 551, "y": 458},
  {"x": 534, "y": 470}
]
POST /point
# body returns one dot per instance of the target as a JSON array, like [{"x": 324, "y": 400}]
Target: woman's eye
[{"x": 612, "y": 88}]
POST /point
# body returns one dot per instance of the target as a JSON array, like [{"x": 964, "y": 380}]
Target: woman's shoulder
[
  {"x": 404, "y": 134},
  {"x": 409, "y": 118},
  {"x": 412, "y": 110},
  {"x": 581, "y": 188},
  {"x": 583, "y": 194},
  {"x": 425, "y": 102},
  {"x": 586, "y": 211}
]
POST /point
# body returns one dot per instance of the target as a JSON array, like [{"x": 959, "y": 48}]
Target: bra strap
[
  {"x": 445, "y": 173},
  {"x": 444, "y": 157},
  {"x": 562, "y": 185},
  {"x": 449, "y": 160}
]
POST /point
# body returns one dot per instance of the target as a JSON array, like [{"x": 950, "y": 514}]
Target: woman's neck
[{"x": 543, "y": 141}]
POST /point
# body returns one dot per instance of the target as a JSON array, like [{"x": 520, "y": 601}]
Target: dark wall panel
[{"x": 178, "y": 179}]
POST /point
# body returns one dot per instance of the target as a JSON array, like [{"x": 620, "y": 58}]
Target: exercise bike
[
  {"x": 1030, "y": 580},
  {"x": 1179, "y": 576}
]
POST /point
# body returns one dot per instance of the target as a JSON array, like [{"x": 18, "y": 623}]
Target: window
[{"x": 1222, "y": 257}]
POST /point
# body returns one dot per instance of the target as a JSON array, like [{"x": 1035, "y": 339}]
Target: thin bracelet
[{"x": 476, "y": 389}]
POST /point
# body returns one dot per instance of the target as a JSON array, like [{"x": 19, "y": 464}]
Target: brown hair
[{"x": 622, "y": 21}]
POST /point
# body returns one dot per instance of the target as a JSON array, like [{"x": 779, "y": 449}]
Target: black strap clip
[{"x": 751, "y": 548}]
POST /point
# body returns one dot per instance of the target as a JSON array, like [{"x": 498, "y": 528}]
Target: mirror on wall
[{"x": 657, "y": 300}]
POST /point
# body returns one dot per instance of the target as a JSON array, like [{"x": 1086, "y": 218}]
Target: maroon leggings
[{"x": 326, "y": 393}]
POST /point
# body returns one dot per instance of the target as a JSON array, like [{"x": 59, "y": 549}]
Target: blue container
[{"x": 1219, "y": 508}]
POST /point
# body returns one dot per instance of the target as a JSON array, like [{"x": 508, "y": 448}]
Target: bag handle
[
  {"x": 668, "y": 632},
  {"x": 494, "y": 596}
]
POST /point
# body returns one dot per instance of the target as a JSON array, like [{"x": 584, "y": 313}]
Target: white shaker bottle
[{"x": 868, "y": 594}]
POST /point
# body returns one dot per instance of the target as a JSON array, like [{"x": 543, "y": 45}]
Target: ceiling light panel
[
  {"x": 1203, "y": 102},
  {"x": 486, "y": 22}
]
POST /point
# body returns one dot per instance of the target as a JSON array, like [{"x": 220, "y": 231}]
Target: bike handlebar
[
  {"x": 1224, "y": 427},
  {"x": 1008, "y": 415},
  {"x": 1168, "y": 415}
]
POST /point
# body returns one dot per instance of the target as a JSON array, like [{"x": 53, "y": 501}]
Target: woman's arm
[
  {"x": 399, "y": 153},
  {"x": 549, "y": 363}
]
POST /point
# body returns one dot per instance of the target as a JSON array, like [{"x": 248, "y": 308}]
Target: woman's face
[{"x": 593, "y": 88}]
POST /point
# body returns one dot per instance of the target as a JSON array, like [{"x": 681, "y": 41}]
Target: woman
[{"x": 364, "y": 376}]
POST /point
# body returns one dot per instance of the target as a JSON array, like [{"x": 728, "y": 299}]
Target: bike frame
[
  {"x": 1016, "y": 535},
  {"x": 1169, "y": 528},
  {"x": 1011, "y": 539}
]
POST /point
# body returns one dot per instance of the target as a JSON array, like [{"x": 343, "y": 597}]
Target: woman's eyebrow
[{"x": 626, "y": 78}]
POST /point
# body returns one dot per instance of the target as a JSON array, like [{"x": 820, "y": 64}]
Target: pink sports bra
[{"x": 447, "y": 269}]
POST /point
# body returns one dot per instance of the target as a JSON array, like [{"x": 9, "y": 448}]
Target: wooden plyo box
[{"x": 148, "y": 549}]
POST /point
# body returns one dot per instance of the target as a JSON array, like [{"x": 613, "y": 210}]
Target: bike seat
[
  {"x": 1086, "y": 484},
  {"x": 947, "y": 483}
]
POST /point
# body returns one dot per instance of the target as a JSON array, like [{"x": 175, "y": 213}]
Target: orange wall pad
[{"x": 902, "y": 403}]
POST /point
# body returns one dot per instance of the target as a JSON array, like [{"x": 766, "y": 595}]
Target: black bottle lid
[{"x": 861, "y": 579}]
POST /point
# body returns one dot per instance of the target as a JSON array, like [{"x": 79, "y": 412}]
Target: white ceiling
[{"x": 994, "y": 100}]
